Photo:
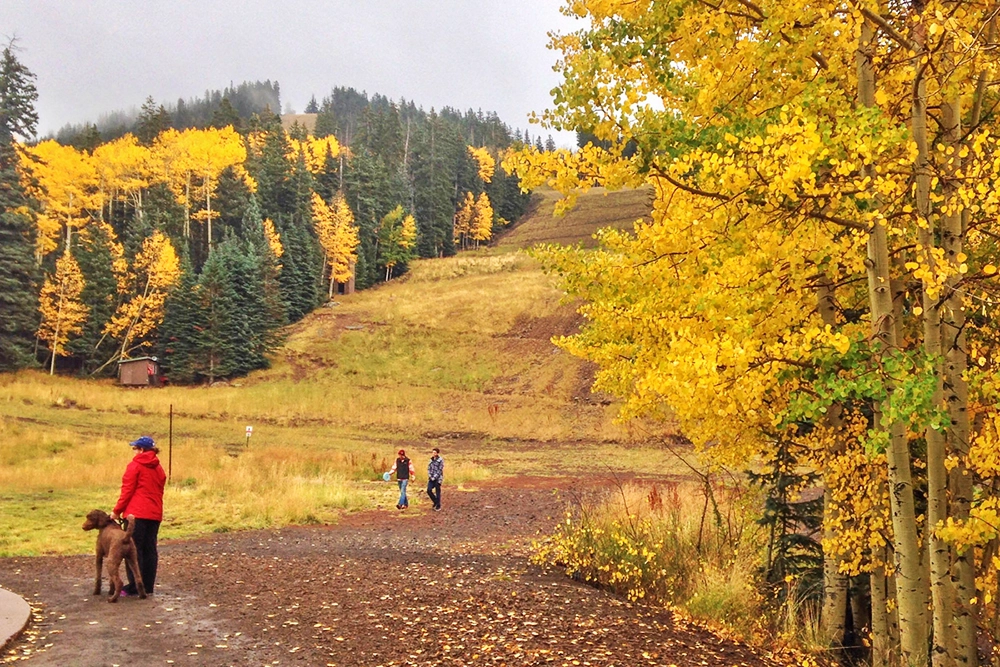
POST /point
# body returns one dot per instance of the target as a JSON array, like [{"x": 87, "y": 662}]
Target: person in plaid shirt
[{"x": 435, "y": 475}]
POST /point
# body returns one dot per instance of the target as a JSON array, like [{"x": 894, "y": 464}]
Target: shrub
[{"x": 694, "y": 548}]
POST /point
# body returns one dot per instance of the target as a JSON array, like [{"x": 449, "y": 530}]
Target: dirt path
[{"x": 383, "y": 588}]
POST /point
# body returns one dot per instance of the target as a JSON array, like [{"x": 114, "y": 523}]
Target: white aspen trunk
[
  {"x": 881, "y": 645},
  {"x": 835, "y": 583},
  {"x": 208, "y": 207},
  {"x": 187, "y": 207},
  {"x": 911, "y": 595},
  {"x": 956, "y": 391},
  {"x": 330, "y": 264},
  {"x": 55, "y": 331},
  {"x": 939, "y": 555},
  {"x": 69, "y": 223}
]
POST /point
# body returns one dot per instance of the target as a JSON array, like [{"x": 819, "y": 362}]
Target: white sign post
[{"x": 249, "y": 433}]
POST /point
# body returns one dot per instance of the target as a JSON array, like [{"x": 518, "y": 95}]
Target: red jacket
[{"x": 142, "y": 488}]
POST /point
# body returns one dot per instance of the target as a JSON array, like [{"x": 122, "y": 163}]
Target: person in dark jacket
[
  {"x": 142, "y": 497},
  {"x": 435, "y": 475},
  {"x": 404, "y": 473}
]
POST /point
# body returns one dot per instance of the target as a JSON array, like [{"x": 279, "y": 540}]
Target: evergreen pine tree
[
  {"x": 152, "y": 120},
  {"x": 437, "y": 152},
  {"x": 218, "y": 301},
  {"x": 327, "y": 181},
  {"x": 164, "y": 213},
  {"x": 225, "y": 115},
  {"x": 295, "y": 274},
  {"x": 182, "y": 329},
  {"x": 231, "y": 199},
  {"x": 245, "y": 330},
  {"x": 100, "y": 290},
  {"x": 275, "y": 188},
  {"x": 272, "y": 308},
  {"x": 326, "y": 123},
  {"x": 18, "y": 297}
]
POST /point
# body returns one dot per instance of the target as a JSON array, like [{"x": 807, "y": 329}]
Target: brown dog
[{"x": 116, "y": 545}]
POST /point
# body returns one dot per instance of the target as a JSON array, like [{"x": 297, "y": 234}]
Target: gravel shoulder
[{"x": 381, "y": 588}]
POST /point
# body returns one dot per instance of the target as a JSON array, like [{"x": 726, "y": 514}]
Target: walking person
[
  {"x": 403, "y": 468},
  {"x": 142, "y": 497},
  {"x": 435, "y": 475}
]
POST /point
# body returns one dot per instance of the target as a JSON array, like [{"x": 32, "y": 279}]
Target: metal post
[{"x": 170, "y": 446}]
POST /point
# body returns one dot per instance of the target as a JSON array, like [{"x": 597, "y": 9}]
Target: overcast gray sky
[{"x": 95, "y": 56}]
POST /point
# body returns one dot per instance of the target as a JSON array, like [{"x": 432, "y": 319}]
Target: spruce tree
[
  {"x": 436, "y": 156},
  {"x": 99, "y": 293},
  {"x": 218, "y": 300},
  {"x": 225, "y": 115},
  {"x": 244, "y": 331},
  {"x": 18, "y": 295},
  {"x": 152, "y": 120},
  {"x": 272, "y": 315},
  {"x": 181, "y": 339},
  {"x": 275, "y": 188}
]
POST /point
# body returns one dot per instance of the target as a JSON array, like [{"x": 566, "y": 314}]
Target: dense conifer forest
[{"x": 195, "y": 231}]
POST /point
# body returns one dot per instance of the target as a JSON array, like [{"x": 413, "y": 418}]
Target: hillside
[
  {"x": 594, "y": 209},
  {"x": 457, "y": 352}
]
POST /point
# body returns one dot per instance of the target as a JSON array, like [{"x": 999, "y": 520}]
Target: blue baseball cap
[{"x": 145, "y": 442}]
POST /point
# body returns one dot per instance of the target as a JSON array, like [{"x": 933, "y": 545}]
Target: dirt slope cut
[{"x": 594, "y": 209}]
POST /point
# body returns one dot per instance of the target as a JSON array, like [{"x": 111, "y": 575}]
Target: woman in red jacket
[{"x": 142, "y": 497}]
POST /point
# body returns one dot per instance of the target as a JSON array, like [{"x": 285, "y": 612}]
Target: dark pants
[
  {"x": 434, "y": 491},
  {"x": 145, "y": 547}
]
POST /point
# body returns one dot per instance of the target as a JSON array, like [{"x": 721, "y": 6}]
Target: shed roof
[{"x": 125, "y": 361}]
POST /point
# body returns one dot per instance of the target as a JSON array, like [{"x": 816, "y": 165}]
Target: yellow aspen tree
[
  {"x": 212, "y": 151},
  {"x": 143, "y": 290},
  {"x": 273, "y": 239},
  {"x": 315, "y": 151},
  {"x": 338, "y": 236},
  {"x": 785, "y": 142},
  {"x": 485, "y": 161},
  {"x": 463, "y": 220},
  {"x": 323, "y": 223},
  {"x": 397, "y": 239},
  {"x": 63, "y": 314},
  {"x": 343, "y": 255},
  {"x": 125, "y": 169},
  {"x": 65, "y": 183},
  {"x": 481, "y": 226},
  {"x": 173, "y": 164},
  {"x": 408, "y": 233}
]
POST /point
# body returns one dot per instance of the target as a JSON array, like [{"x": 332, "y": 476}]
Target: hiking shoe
[
  {"x": 437, "y": 509},
  {"x": 125, "y": 594}
]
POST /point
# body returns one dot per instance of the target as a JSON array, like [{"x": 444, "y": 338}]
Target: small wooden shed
[
  {"x": 348, "y": 287},
  {"x": 139, "y": 372}
]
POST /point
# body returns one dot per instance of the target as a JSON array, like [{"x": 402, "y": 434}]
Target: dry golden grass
[
  {"x": 595, "y": 209},
  {"x": 457, "y": 354}
]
